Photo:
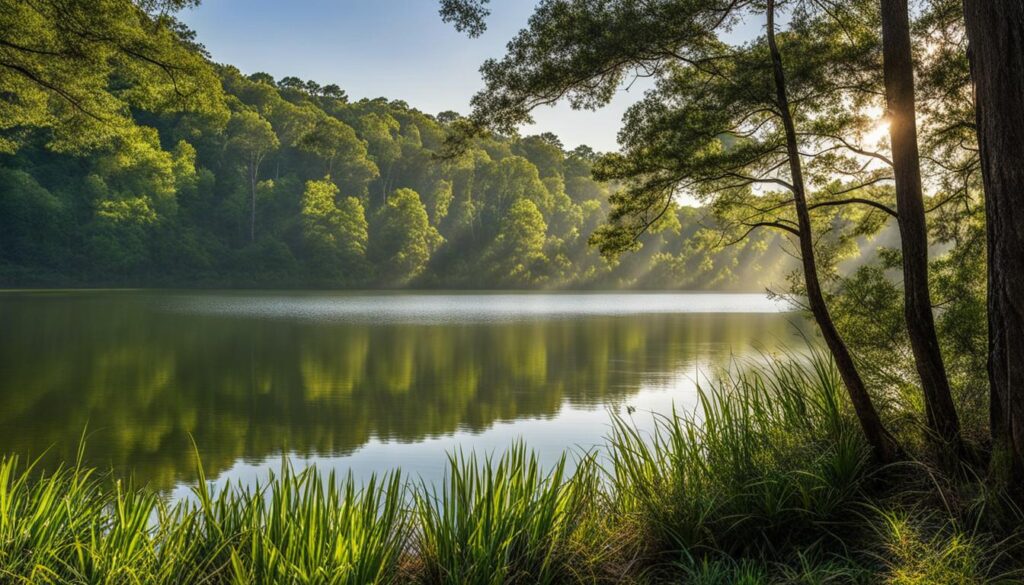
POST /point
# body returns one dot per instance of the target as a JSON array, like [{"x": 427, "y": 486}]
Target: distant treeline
[{"x": 286, "y": 183}]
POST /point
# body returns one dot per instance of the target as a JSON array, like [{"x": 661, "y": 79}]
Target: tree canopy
[
  {"x": 289, "y": 183},
  {"x": 77, "y": 69}
]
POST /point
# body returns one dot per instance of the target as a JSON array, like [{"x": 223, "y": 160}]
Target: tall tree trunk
[
  {"x": 252, "y": 198},
  {"x": 255, "y": 160},
  {"x": 884, "y": 445},
  {"x": 917, "y": 307},
  {"x": 995, "y": 30}
]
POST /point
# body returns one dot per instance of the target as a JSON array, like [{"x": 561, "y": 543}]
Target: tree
[
  {"x": 354, "y": 235},
  {"x": 720, "y": 122},
  {"x": 291, "y": 82},
  {"x": 333, "y": 141},
  {"x": 468, "y": 16},
  {"x": 335, "y": 236},
  {"x": 382, "y": 135},
  {"x": 543, "y": 151},
  {"x": 76, "y": 69},
  {"x": 253, "y": 137},
  {"x": 402, "y": 239},
  {"x": 119, "y": 234},
  {"x": 334, "y": 92},
  {"x": 519, "y": 247},
  {"x": 900, "y": 97},
  {"x": 448, "y": 116},
  {"x": 884, "y": 444},
  {"x": 505, "y": 182},
  {"x": 996, "y": 33},
  {"x": 32, "y": 220},
  {"x": 262, "y": 77},
  {"x": 438, "y": 201}
]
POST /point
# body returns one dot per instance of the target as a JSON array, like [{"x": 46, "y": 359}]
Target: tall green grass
[
  {"x": 69, "y": 526},
  {"x": 74, "y": 527},
  {"x": 498, "y": 521},
  {"x": 767, "y": 481},
  {"x": 769, "y": 460}
]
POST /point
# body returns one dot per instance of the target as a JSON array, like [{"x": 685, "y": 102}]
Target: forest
[{"x": 257, "y": 182}]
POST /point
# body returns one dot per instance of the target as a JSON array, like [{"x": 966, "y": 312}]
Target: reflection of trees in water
[{"x": 245, "y": 388}]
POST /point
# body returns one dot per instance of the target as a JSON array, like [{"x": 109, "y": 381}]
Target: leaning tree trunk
[
  {"x": 899, "y": 93},
  {"x": 995, "y": 30},
  {"x": 884, "y": 445}
]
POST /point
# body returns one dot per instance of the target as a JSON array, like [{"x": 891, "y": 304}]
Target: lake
[{"x": 360, "y": 382}]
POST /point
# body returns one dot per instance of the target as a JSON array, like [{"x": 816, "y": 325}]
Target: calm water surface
[{"x": 362, "y": 382}]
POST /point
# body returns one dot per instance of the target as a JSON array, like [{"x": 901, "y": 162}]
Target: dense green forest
[{"x": 287, "y": 183}]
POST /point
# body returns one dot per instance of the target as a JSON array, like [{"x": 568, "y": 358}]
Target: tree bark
[
  {"x": 995, "y": 30},
  {"x": 884, "y": 444},
  {"x": 899, "y": 93}
]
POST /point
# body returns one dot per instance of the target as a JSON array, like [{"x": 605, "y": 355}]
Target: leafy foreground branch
[{"x": 769, "y": 482}]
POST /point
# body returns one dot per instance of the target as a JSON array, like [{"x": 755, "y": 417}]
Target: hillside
[{"x": 286, "y": 183}]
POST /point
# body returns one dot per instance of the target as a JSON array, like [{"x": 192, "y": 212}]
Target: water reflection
[{"x": 248, "y": 379}]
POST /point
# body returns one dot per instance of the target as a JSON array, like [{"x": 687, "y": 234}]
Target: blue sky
[{"x": 398, "y": 49}]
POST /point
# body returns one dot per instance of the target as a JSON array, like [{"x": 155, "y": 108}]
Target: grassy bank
[{"x": 769, "y": 482}]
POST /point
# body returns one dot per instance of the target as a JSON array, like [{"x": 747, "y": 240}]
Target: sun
[
  {"x": 878, "y": 133},
  {"x": 880, "y": 129}
]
